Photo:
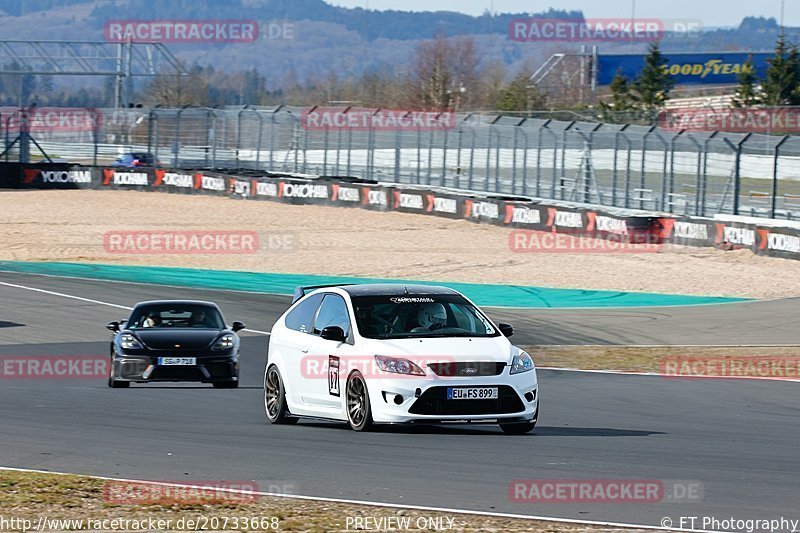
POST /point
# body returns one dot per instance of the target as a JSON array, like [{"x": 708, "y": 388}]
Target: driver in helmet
[
  {"x": 432, "y": 316},
  {"x": 153, "y": 320}
]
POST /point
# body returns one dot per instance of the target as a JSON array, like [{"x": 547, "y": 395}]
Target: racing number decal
[{"x": 333, "y": 375}]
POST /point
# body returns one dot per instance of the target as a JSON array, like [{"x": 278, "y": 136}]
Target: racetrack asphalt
[{"x": 736, "y": 439}]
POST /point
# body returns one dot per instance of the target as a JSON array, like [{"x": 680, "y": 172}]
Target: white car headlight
[
  {"x": 397, "y": 365},
  {"x": 129, "y": 342},
  {"x": 522, "y": 362},
  {"x": 223, "y": 343}
]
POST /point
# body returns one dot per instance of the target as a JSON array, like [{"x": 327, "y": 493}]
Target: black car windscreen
[{"x": 176, "y": 316}]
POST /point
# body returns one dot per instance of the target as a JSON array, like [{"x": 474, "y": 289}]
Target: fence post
[
  {"x": 705, "y": 171},
  {"x": 238, "y": 135},
  {"x": 553, "y": 186},
  {"x": 96, "y": 135},
  {"x": 349, "y": 146},
  {"x": 176, "y": 144},
  {"x": 471, "y": 160},
  {"x": 642, "y": 176},
  {"x": 260, "y": 138},
  {"x": 398, "y": 147},
  {"x": 615, "y": 166},
  {"x": 699, "y": 172},
  {"x": 775, "y": 175},
  {"x": 370, "y": 162},
  {"x": 628, "y": 175},
  {"x": 524, "y": 163},
  {"x": 419, "y": 156},
  {"x": 497, "y": 163},
  {"x": 737, "y": 171},
  {"x": 430, "y": 157},
  {"x": 542, "y": 129},
  {"x": 497, "y": 130},
  {"x": 152, "y": 134},
  {"x": 664, "y": 172},
  {"x": 672, "y": 168},
  {"x": 443, "y": 181},
  {"x": 564, "y": 158},
  {"x": 325, "y": 137},
  {"x": 488, "y": 157},
  {"x": 272, "y": 128}
]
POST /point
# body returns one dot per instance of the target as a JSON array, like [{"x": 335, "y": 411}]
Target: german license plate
[
  {"x": 472, "y": 393},
  {"x": 177, "y": 361}
]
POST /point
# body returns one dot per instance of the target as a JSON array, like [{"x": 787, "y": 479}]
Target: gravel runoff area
[
  {"x": 71, "y": 226},
  {"x": 56, "y": 498},
  {"x": 676, "y": 362}
]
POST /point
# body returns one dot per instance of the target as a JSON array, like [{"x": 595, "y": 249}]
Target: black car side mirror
[
  {"x": 113, "y": 326},
  {"x": 506, "y": 329},
  {"x": 333, "y": 333},
  {"x": 238, "y": 326}
]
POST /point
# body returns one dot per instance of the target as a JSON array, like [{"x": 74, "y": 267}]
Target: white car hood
[{"x": 457, "y": 349}]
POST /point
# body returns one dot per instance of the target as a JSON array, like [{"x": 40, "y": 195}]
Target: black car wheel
[
  {"x": 359, "y": 411},
  {"x": 275, "y": 398},
  {"x": 112, "y": 382}
]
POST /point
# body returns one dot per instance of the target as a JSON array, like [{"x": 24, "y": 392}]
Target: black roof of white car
[{"x": 390, "y": 289}]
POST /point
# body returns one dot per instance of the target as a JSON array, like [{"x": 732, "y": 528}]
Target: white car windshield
[{"x": 429, "y": 315}]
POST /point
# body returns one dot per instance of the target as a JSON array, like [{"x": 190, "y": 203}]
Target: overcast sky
[{"x": 711, "y": 12}]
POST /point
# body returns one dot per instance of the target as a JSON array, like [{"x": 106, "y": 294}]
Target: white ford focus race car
[{"x": 395, "y": 354}]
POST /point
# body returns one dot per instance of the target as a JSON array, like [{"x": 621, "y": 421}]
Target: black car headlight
[
  {"x": 223, "y": 343},
  {"x": 129, "y": 342}
]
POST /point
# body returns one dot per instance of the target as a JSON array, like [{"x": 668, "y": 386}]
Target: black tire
[
  {"x": 226, "y": 385},
  {"x": 275, "y": 398},
  {"x": 359, "y": 411},
  {"x": 113, "y": 383}
]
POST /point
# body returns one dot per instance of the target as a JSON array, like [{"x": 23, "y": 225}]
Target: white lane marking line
[
  {"x": 82, "y": 278},
  {"x": 665, "y": 376},
  {"x": 366, "y": 503},
  {"x": 62, "y": 295},
  {"x": 98, "y": 302}
]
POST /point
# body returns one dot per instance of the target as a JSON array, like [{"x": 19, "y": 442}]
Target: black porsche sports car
[{"x": 175, "y": 340}]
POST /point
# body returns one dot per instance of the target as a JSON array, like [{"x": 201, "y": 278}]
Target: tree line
[{"x": 650, "y": 91}]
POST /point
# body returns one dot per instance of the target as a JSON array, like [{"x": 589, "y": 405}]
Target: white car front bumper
[{"x": 405, "y": 399}]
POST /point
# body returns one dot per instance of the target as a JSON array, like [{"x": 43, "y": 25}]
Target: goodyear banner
[{"x": 687, "y": 69}]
